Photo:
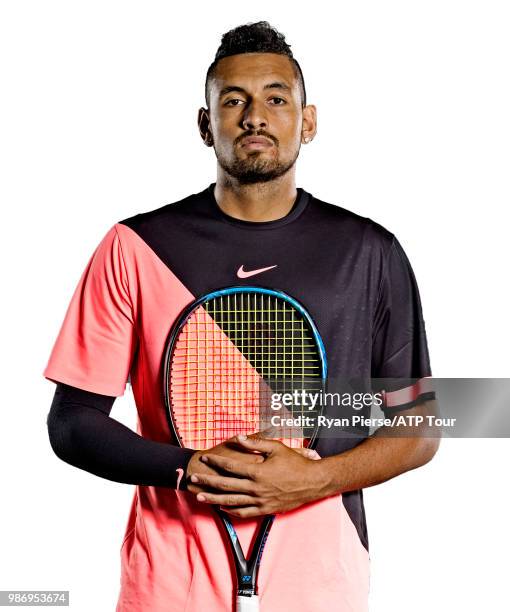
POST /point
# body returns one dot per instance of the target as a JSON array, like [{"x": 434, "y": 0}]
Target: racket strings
[{"x": 226, "y": 360}]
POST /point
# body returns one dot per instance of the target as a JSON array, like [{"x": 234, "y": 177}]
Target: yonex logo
[{"x": 242, "y": 273}]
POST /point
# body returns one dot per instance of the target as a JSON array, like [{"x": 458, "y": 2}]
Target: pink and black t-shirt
[{"x": 356, "y": 282}]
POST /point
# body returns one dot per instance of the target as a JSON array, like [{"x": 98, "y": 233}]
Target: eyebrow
[{"x": 276, "y": 85}]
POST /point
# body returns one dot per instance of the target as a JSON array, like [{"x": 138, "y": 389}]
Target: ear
[
  {"x": 309, "y": 126},
  {"x": 204, "y": 127}
]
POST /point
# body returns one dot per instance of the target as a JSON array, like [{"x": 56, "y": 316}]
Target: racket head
[{"x": 223, "y": 357}]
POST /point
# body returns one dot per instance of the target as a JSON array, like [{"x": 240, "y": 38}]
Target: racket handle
[{"x": 247, "y": 604}]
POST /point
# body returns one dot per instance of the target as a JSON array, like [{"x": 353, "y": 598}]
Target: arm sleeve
[
  {"x": 399, "y": 342},
  {"x": 83, "y": 434},
  {"x": 97, "y": 340}
]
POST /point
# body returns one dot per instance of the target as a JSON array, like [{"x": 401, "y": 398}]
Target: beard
[{"x": 255, "y": 168}]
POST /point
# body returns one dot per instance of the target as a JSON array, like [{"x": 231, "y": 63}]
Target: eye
[
  {"x": 228, "y": 102},
  {"x": 278, "y": 101}
]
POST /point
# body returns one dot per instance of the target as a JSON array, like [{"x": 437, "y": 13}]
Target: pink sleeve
[{"x": 96, "y": 342}]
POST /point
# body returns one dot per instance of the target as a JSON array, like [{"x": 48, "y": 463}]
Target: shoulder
[
  {"x": 165, "y": 225},
  {"x": 353, "y": 226},
  {"x": 173, "y": 211}
]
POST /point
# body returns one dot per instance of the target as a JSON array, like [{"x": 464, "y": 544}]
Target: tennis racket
[{"x": 226, "y": 351}]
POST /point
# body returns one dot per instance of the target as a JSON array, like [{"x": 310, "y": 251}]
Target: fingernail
[
  {"x": 242, "y": 438},
  {"x": 194, "y": 478},
  {"x": 201, "y": 497},
  {"x": 204, "y": 458}
]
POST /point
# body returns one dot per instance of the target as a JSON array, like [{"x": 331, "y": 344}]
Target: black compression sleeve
[{"x": 83, "y": 433}]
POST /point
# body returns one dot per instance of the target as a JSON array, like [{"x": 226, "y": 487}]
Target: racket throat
[{"x": 247, "y": 569}]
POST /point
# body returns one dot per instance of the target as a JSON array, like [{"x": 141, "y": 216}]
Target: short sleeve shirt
[{"x": 354, "y": 279}]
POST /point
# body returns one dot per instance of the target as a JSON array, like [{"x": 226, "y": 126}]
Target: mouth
[{"x": 255, "y": 142}]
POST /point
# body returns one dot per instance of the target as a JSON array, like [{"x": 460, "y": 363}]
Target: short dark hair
[{"x": 259, "y": 37}]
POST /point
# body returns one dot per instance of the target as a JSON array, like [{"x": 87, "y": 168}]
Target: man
[{"x": 250, "y": 227}]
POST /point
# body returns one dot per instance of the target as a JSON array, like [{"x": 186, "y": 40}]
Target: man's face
[{"x": 255, "y": 95}]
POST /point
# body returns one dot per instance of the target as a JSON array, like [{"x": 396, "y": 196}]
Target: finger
[
  {"x": 248, "y": 454},
  {"x": 195, "y": 488},
  {"x": 227, "y": 499},
  {"x": 266, "y": 434},
  {"x": 268, "y": 447},
  {"x": 239, "y": 468},
  {"x": 245, "y": 511},
  {"x": 222, "y": 483},
  {"x": 308, "y": 453}
]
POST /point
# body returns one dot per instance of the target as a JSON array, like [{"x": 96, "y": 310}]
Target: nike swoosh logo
[{"x": 242, "y": 273}]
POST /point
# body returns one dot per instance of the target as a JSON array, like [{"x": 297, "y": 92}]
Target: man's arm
[
  {"x": 287, "y": 480},
  {"x": 389, "y": 452},
  {"x": 83, "y": 434}
]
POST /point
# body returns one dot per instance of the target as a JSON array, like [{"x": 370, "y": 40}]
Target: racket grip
[{"x": 247, "y": 604}]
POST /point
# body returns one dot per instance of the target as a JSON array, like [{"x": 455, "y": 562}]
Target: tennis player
[{"x": 253, "y": 226}]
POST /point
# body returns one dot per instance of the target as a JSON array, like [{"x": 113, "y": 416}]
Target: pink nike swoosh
[{"x": 241, "y": 273}]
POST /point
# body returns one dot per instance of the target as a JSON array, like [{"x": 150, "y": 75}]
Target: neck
[{"x": 258, "y": 202}]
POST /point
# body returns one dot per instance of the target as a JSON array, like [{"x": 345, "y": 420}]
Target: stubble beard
[{"x": 255, "y": 168}]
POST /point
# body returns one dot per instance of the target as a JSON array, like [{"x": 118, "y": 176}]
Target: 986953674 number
[{"x": 34, "y": 598}]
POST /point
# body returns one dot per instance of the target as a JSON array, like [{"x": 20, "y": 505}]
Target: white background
[{"x": 98, "y": 122}]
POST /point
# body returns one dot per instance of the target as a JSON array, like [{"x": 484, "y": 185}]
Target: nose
[{"x": 254, "y": 116}]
